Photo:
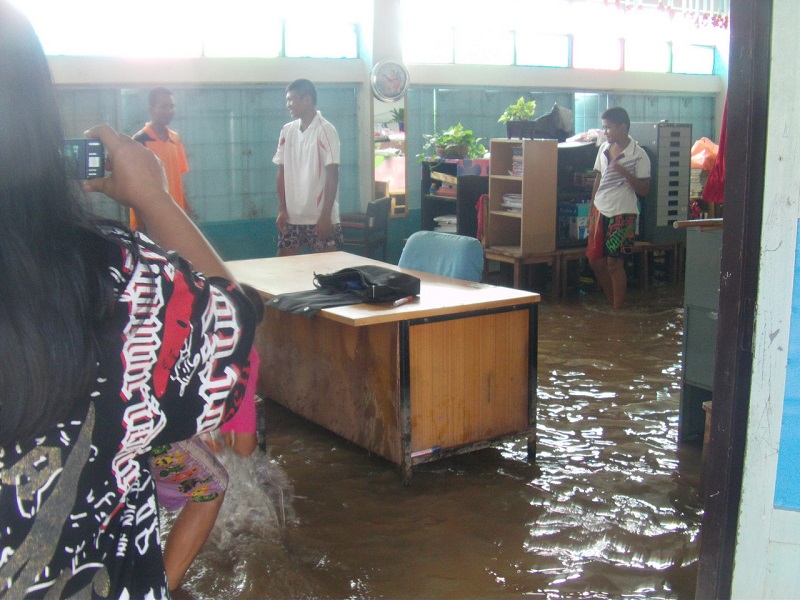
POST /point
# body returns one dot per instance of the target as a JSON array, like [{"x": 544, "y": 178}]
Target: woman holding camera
[{"x": 108, "y": 346}]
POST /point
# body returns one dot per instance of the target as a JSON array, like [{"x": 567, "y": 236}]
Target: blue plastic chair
[{"x": 445, "y": 254}]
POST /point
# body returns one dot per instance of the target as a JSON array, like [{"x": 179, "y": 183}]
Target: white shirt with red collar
[{"x": 304, "y": 156}]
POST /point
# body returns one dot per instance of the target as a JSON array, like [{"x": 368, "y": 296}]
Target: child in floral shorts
[{"x": 189, "y": 477}]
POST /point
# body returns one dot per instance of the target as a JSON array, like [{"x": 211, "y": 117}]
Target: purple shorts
[{"x": 186, "y": 472}]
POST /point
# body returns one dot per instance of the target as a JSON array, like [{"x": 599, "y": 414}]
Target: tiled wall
[
  {"x": 230, "y": 134},
  {"x": 478, "y": 109},
  {"x": 648, "y": 108}
]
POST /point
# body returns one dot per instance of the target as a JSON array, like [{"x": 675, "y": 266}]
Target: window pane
[
  {"x": 590, "y": 52},
  {"x": 321, "y": 39},
  {"x": 697, "y": 60},
  {"x": 484, "y": 47},
  {"x": 229, "y": 34},
  {"x": 542, "y": 50},
  {"x": 643, "y": 55},
  {"x": 432, "y": 44},
  {"x": 321, "y": 28},
  {"x": 62, "y": 27}
]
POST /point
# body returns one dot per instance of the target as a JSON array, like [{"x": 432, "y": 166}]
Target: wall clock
[{"x": 389, "y": 80}]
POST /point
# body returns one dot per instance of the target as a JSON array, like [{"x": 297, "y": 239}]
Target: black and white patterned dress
[{"x": 78, "y": 512}]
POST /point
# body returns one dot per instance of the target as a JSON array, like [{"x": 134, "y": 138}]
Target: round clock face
[{"x": 389, "y": 80}]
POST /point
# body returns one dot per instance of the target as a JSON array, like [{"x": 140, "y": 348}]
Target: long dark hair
[{"x": 53, "y": 289}]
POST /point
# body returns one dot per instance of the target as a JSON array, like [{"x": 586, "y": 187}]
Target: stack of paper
[
  {"x": 512, "y": 202},
  {"x": 446, "y": 223}
]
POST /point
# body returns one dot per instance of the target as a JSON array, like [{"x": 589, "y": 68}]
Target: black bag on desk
[
  {"x": 371, "y": 283},
  {"x": 353, "y": 285}
]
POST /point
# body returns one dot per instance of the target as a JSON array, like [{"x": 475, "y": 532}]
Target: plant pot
[
  {"x": 459, "y": 152},
  {"x": 520, "y": 129}
]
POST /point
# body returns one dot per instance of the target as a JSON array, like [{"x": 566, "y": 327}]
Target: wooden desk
[{"x": 453, "y": 371}]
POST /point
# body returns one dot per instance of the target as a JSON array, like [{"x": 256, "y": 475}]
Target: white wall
[
  {"x": 767, "y": 557},
  {"x": 96, "y": 70}
]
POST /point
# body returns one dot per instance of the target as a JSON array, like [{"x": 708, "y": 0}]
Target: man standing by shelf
[
  {"x": 308, "y": 176},
  {"x": 623, "y": 172},
  {"x": 166, "y": 145}
]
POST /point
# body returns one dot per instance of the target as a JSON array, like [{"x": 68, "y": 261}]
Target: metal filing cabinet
[
  {"x": 669, "y": 146},
  {"x": 701, "y": 305}
]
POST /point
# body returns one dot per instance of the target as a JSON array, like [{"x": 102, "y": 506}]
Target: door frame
[{"x": 747, "y": 101}]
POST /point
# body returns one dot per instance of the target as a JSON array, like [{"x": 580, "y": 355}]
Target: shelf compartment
[{"x": 533, "y": 230}]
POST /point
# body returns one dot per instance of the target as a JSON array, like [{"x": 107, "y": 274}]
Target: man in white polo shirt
[
  {"x": 623, "y": 173},
  {"x": 308, "y": 176}
]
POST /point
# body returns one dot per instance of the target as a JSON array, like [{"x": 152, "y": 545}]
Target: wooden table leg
[
  {"x": 407, "y": 461},
  {"x": 673, "y": 254},
  {"x": 558, "y": 289},
  {"x": 533, "y": 377},
  {"x": 644, "y": 270}
]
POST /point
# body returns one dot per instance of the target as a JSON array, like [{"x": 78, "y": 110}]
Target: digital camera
[{"x": 84, "y": 158}]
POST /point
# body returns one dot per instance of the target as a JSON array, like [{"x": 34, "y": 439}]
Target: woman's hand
[
  {"x": 137, "y": 175},
  {"x": 138, "y": 181}
]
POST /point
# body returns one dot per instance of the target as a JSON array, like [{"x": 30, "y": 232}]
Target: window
[
  {"x": 193, "y": 28},
  {"x": 479, "y": 46},
  {"x": 321, "y": 28},
  {"x": 557, "y": 33},
  {"x": 261, "y": 34},
  {"x": 428, "y": 43},
  {"x": 591, "y": 52},
  {"x": 698, "y": 60},
  {"x": 321, "y": 39},
  {"x": 644, "y": 55},
  {"x": 542, "y": 50}
]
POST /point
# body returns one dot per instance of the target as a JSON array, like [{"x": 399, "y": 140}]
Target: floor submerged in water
[{"x": 611, "y": 508}]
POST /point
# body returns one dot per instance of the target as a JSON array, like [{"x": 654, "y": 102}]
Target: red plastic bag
[
  {"x": 480, "y": 205},
  {"x": 704, "y": 154},
  {"x": 714, "y": 190}
]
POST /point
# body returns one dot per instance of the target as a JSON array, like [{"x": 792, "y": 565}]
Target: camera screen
[{"x": 84, "y": 158}]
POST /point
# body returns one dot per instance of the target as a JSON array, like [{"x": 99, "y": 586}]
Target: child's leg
[
  {"x": 595, "y": 252},
  {"x": 603, "y": 277},
  {"x": 240, "y": 431},
  {"x": 244, "y": 444},
  {"x": 619, "y": 280},
  {"x": 188, "y": 477},
  {"x": 187, "y": 536}
]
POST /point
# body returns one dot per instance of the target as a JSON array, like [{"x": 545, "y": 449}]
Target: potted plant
[
  {"x": 399, "y": 117},
  {"x": 518, "y": 118},
  {"x": 454, "y": 142}
]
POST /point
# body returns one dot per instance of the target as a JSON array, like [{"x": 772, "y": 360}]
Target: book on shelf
[
  {"x": 516, "y": 166},
  {"x": 511, "y": 202}
]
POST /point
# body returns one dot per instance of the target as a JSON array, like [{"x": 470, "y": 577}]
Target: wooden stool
[
  {"x": 519, "y": 261},
  {"x": 560, "y": 260}
]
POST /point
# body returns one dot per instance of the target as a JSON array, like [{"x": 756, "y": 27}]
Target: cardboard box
[
  {"x": 579, "y": 228},
  {"x": 572, "y": 219},
  {"x": 574, "y": 209}
]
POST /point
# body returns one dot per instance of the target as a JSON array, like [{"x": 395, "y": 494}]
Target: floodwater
[{"x": 611, "y": 508}]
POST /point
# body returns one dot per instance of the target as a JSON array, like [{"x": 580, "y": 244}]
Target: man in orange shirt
[{"x": 165, "y": 144}]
